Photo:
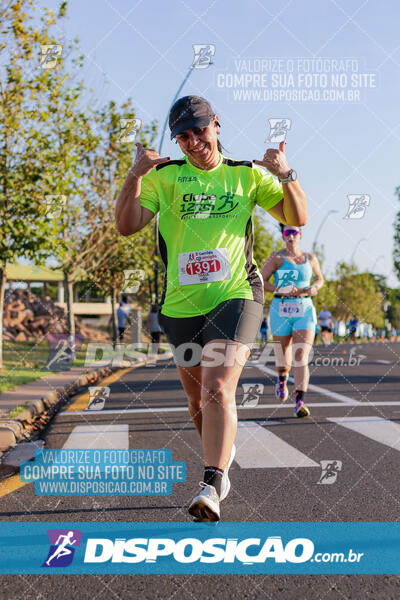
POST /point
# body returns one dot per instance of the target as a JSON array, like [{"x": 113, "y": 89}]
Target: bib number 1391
[{"x": 204, "y": 266}]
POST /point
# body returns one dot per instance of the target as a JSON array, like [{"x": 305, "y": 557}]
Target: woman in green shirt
[{"x": 212, "y": 302}]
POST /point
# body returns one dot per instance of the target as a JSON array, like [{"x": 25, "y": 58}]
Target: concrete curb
[{"x": 37, "y": 413}]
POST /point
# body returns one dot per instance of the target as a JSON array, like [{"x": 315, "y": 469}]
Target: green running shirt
[{"x": 206, "y": 231}]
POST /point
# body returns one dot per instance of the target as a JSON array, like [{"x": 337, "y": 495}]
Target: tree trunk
[
  {"x": 69, "y": 290},
  {"x": 114, "y": 321},
  {"x": 3, "y": 279}
]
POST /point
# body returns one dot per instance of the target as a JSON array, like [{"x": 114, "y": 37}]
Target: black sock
[
  {"x": 282, "y": 377},
  {"x": 299, "y": 395},
  {"x": 213, "y": 476}
]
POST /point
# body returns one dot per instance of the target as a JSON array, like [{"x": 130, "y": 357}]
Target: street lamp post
[
  {"x": 356, "y": 248},
  {"x": 321, "y": 225}
]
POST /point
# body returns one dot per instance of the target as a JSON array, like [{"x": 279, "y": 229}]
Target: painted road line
[
  {"x": 13, "y": 483},
  {"x": 98, "y": 436},
  {"x": 315, "y": 388},
  {"x": 375, "y": 428},
  {"x": 10, "y": 485},
  {"x": 81, "y": 402},
  {"x": 259, "y": 448},
  {"x": 173, "y": 409},
  {"x": 82, "y": 436}
]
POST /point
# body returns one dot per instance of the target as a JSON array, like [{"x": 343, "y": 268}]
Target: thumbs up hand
[{"x": 275, "y": 161}]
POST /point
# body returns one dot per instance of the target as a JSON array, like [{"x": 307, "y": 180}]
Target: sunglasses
[{"x": 288, "y": 232}]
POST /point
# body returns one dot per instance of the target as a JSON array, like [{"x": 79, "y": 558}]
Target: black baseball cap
[{"x": 189, "y": 112}]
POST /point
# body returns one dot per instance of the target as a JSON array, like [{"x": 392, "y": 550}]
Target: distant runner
[
  {"x": 352, "y": 325},
  {"x": 153, "y": 325},
  {"x": 326, "y": 323},
  {"x": 122, "y": 317},
  {"x": 292, "y": 313},
  {"x": 213, "y": 294},
  {"x": 264, "y": 331}
]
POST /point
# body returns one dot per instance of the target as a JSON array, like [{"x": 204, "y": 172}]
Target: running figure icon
[
  {"x": 62, "y": 549},
  {"x": 62, "y": 355}
]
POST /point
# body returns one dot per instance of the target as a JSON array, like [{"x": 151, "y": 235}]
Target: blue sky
[{"x": 338, "y": 148}]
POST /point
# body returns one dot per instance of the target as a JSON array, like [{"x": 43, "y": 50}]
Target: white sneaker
[
  {"x": 225, "y": 483},
  {"x": 205, "y": 506}
]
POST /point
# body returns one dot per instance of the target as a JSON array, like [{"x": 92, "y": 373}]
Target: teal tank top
[{"x": 290, "y": 273}]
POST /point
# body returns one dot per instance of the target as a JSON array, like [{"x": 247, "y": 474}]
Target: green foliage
[
  {"x": 265, "y": 244},
  {"x": 396, "y": 239},
  {"x": 359, "y": 294},
  {"x": 23, "y": 86},
  {"x": 327, "y": 296},
  {"x": 107, "y": 169},
  {"x": 393, "y": 309}
]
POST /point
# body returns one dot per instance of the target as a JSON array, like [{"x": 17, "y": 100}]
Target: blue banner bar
[{"x": 191, "y": 548}]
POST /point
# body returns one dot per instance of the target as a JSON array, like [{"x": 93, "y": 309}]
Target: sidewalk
[
  {"x": 36, "y": 390},
  {"x": 39, "y": 400}
]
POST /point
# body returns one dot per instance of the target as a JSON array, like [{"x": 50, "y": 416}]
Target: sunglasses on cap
[{"x": 287, "y": 232}]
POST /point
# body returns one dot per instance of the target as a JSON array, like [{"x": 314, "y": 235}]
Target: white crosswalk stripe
[
  {"x": 259, "y": 448},
  {"x": 378, "y": 429},
  {"x": 98, "y": 436}
]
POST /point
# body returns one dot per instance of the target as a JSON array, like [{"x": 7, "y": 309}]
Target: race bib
[
  {"x": 205, "y": 266},
  {"x": 291, "y": 309}
]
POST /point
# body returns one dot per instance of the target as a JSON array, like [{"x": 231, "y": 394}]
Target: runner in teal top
[
  {"x": 213, "y": 297},
  {"x": 292, "y": 313}
]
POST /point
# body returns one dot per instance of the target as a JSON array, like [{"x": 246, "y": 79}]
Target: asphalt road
[{"x": 355, "y": 413}]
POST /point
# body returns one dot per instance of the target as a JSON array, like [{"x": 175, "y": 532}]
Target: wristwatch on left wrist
[{"x": 291, "y": 176}]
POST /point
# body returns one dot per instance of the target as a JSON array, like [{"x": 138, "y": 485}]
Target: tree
[
  {"x": 359, "y": 294},
  {"x": 265, "y": 244},
  {"x": 391, "y": 301},
  {"x": 114, "y": 255},
  {"x": 24, "y": 85},
  {"x": 396, "y": 239},
  {"x": 393, "y": 309},
  {"x": 327, "y": 296}
]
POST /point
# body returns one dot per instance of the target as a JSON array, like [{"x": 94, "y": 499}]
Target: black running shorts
[{"x": 237, "y": 319}]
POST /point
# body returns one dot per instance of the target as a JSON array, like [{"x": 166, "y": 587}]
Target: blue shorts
[{"x": 285, "y": 325}]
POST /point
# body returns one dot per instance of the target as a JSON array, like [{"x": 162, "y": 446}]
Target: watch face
[{"x": 293, "y": 175}]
